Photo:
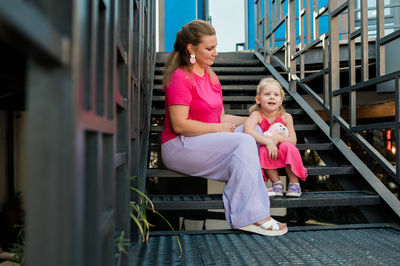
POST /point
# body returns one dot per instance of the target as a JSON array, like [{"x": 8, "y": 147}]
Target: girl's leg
[
  {"x": 292, "y": 177},
  {"x": 226, "y": 157},
  {"x": 277, "y": 187},
  {"x": 294, "y": 189},
  {"x": 272, "y": 174}
]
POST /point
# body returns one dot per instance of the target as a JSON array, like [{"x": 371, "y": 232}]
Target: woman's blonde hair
[
  {"x": 191, "y": 33},
  {"x": 264, "y": 83}
]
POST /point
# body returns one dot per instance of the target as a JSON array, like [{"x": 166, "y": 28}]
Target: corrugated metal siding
[{"x": 365, "y": 246}]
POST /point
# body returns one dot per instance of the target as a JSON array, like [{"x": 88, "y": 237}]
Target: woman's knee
[
  {"x": 258, "y": 129},
  {"x": 248, "y": 139},
  {"x": 246, "y": 143}
]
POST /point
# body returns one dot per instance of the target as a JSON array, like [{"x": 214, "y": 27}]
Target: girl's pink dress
[{"x": 287, "y": 154}]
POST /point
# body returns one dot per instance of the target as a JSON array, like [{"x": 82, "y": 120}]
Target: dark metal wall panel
[{"x": 88, "y": 72}]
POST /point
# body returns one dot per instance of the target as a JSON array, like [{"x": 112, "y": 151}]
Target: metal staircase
[
  {"x": 239, "y": 74},
  {"x": 336, "y": 180}
]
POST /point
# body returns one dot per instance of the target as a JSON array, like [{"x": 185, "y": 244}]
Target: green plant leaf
[
  {"x": 140, "y": 213},
  {"x": 138, "y": 224},
  {"x": 143, "y": 195},
  {"x": 141, "y": 182},
  {"x": 121, "y": 243},
  {"x": 170, "y": 226},
  {"x": 137, "y": 207}
]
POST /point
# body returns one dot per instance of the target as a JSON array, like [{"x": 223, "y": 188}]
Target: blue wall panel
[
  {"x": 200, "y": 9},
  {"x": 177, "y": 14},
  {"x": 250, "y": 24}
]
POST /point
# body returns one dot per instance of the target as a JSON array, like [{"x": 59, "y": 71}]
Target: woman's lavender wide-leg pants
[{"x": 228, "y": 157}]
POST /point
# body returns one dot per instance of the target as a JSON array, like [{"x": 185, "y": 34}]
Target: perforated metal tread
[
  {"x": 300, "y": 146},
  {"x": 223, "y": 70},
  {"x": 311, "y": 170},
  {"x": 225, "y": 88},
  {"x": 161, "y": 112},
  {"x": 301, "y": 127},
  {"x": 307, "y": 199},
  {"x": 376, "y": 244}
]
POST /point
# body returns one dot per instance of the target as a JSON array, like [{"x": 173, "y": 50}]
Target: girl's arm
[
  {"x": 250, "y": 128},
  {"x": 236, "y": 120},
  {"x": 287, "y": 118},
  {"x": 181, "y": 125}
]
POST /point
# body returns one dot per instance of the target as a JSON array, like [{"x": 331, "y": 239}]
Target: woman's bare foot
[
  {"x": 267, "y": 227},
  {"x": 281, "y": 225}
]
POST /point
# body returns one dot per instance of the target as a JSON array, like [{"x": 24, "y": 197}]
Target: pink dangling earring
[{"x": 192, "y": 58}]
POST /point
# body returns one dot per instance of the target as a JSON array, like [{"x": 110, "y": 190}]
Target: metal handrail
[{"x": 330, "y": 100}]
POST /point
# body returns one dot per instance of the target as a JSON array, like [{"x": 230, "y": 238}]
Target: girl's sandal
[{"x": 269, "y": 228}]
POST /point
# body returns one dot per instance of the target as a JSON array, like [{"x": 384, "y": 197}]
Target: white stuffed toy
[{"x": 277, "y": 128}]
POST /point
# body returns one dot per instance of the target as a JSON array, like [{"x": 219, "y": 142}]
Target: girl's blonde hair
[
  {"x": 264, "y": 83},
  {"x": 191, "y": 33}
]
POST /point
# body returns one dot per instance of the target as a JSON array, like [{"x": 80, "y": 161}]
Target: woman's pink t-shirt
[{"x": 202, "y": 96}]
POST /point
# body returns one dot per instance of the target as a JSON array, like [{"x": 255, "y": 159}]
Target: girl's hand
[
  {"x": 272, "y": 150},
  {"x": 227, "y": 127}
]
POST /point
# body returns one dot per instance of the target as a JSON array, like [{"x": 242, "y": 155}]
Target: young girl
[{"x": 278, "y": 150}]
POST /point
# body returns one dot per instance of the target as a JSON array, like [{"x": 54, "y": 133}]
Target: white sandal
[{"x": 269, "y": 228}]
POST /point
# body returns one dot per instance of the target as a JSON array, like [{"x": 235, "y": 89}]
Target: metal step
[
  {"x": 224, "y": 70},
  {"x": 359, "y": 244},
  {"x": 226, "y": 78},
  {"x": 301, "y": 127},
  {"x": 307, "y": 199},
  {"x": 252, "y": 88},
  {"x": 241, "y": 112},
  {"x": 227, "y": 62},
  {"x": 300, "y": 146},
  {"x": 227, "y": 99},
  {"x": 311, "y": 170}
]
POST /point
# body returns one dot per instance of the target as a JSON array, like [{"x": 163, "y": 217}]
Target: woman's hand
[
  {"x": 272, "y": 150},
  {"x": 227, "y": 127}
]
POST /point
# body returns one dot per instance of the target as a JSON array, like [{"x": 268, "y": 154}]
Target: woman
[{"x": 198, "y": 138}]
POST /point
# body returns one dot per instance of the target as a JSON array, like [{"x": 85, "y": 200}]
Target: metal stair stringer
[{"x": 391, "y": 200}]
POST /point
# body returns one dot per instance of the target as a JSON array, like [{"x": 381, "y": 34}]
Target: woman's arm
[
  {"x": 236, "y": 120},
  {"x": 178, "y": 115}
]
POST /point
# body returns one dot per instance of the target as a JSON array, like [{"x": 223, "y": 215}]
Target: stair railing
[{"x": 338, "y": 44}]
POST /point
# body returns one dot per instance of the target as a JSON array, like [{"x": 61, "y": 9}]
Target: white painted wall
[{"x": 228, "y": 19}]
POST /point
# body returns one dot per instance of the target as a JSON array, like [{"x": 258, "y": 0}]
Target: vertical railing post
[
  {"x": 274, "y": 20},
  {"x": 380, "y": 33},
  {"x": 302, "y": 13},
  {"x": 308, "y": 22},
  {"x": 315, "y": 19},
  {"x": 334, "y": 80},
  {"x": 397, "y": 129},
  {"x": 257, "y": 6},
  {"x": 287, "y": 52},
  {"x": 292, "y": 43},
  {"x": 364, "y": 40},
  {"x": 352, "y": 63},
  {"x": 267, "y": 30},
  {"x": 326, "y": 75}
]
